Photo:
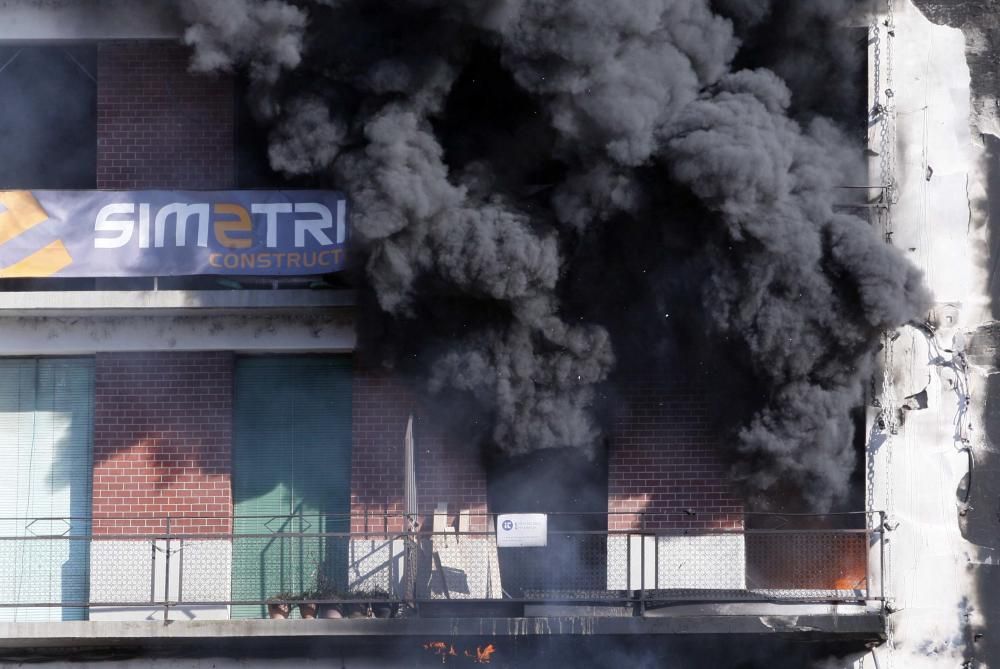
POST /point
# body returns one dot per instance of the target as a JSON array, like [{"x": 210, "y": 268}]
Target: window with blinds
[{"x": 46, "y": 447}]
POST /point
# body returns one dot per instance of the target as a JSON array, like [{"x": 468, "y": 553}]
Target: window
[
  {"x": 48, "y": 119},
  {"x": 46, "y": 450}
]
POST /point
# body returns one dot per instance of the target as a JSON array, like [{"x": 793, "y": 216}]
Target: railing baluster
[
  {"x": 166, "y": 579},
  {"x": 881, "y": 560},
  {"x": 642, "y": 564}
]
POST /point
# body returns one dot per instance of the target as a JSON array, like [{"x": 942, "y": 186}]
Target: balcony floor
[{"x": 820, "y": 621}]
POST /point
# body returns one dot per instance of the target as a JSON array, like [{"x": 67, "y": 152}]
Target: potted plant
[
  {"x": 330, "y": 610},
  {"x": 356, "y": 609},
  {"x": 379, "y": 603},
  {"x": 326, "y": 589},
  {"x": 382, "y": 604},
  {"x": 308, "y": 609},
  {"x": 278, "y": 607}
]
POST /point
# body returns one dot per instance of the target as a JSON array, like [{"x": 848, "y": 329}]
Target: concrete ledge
[
  {"x": 326, "y": 330},
  {"x": 167, "y": 302},
  {"x": 863, "y": 625},
  {"x": 89, "y": 19}
]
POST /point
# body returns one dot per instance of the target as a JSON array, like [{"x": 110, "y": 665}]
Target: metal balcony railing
[{"x": 224, "y": 567}]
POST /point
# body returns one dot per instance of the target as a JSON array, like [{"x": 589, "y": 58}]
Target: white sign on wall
[{"x": 516, "y": 530}]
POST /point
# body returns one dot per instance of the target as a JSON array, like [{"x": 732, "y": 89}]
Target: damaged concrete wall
[
  {"x": 931, "y": 415},
  {"x": 979, "y": 21}
]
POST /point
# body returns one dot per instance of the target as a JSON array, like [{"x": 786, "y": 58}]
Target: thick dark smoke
[
  {"x": 541, "y": 187},
  {"x": 263, "y": 36}
]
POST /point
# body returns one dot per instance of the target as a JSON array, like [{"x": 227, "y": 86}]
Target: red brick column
[
  {"x": 163, "y": 421},
  {"x": 447, "y": 469},
  {"x": 158, "y": 125},
  {"x": 162, "y": 435},
  {"x": 663, "y": 461}
]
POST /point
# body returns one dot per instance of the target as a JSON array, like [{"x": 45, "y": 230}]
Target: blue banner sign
[{"x": 73, "y": 233}]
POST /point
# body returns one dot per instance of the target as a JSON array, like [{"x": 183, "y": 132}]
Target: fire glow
[{"x": 481, "y": 655}]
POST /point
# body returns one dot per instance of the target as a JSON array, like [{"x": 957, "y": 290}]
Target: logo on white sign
[{"x": 517, "y": 530}]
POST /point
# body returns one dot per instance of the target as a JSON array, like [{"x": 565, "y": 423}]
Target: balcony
[{"x": 211, "y": 577}]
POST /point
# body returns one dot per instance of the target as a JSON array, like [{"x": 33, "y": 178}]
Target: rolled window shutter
[
  {"x": 46, "y": 450},
  {"x": 291, "y": 473}
]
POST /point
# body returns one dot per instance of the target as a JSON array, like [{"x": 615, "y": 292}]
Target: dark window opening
[
  {"x": 573, "y": 490},
  {"x": 48, "y": 119}
]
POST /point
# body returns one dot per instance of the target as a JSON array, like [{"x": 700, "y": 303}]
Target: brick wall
[
  {"x": 159, "y": 126},
  {"x": 447, "y": 470},
  {"x": 663, "y": 462},
  {"x": 162, "y": 434}
]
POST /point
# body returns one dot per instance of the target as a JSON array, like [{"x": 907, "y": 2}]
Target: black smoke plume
[{"x": 553, "y": 195}]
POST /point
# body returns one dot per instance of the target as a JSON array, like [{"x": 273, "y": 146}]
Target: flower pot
[
  {"x": 383, "y": 609},
  {"x": 278, "y": 610},
  {"x": 307, "y": 611},
  {"x": 355, "y": 610},
  {"x": 330, "y": 611}
]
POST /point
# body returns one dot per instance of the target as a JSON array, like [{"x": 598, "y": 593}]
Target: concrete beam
[
  {"x": 866, "y": 624},
  {"x": 329, "y": 331},
  {"x": 167, "y": 302},
  {"x": 87, "y": 322},
  {"x": 54, "y": 20}
]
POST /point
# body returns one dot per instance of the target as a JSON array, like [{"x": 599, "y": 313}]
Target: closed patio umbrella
[{"x": 410, "y": 479}]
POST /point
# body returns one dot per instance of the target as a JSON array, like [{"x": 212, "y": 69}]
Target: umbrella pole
[{"x": 411, "y": 521}]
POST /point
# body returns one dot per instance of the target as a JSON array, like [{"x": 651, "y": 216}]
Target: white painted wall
[
  {"x": 377, "y": 563},
  {"x": 698, "y": 562},
  {"x": 471, "y": 568},
  {"x": 134, "y": 571}
]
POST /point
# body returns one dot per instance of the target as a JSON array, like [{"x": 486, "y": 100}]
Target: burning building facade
[{"x": 561, "y": 238}]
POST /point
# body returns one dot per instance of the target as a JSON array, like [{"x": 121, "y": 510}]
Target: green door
[
  {"x": 46, "y": 447},
  {"x": 291, "y": 475}
]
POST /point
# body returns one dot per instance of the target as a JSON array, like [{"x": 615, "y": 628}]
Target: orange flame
[
  {"x": 442, "y": 649},
  {"x": 482, "y": 655},
  {"x": 445, "y": 650}
]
